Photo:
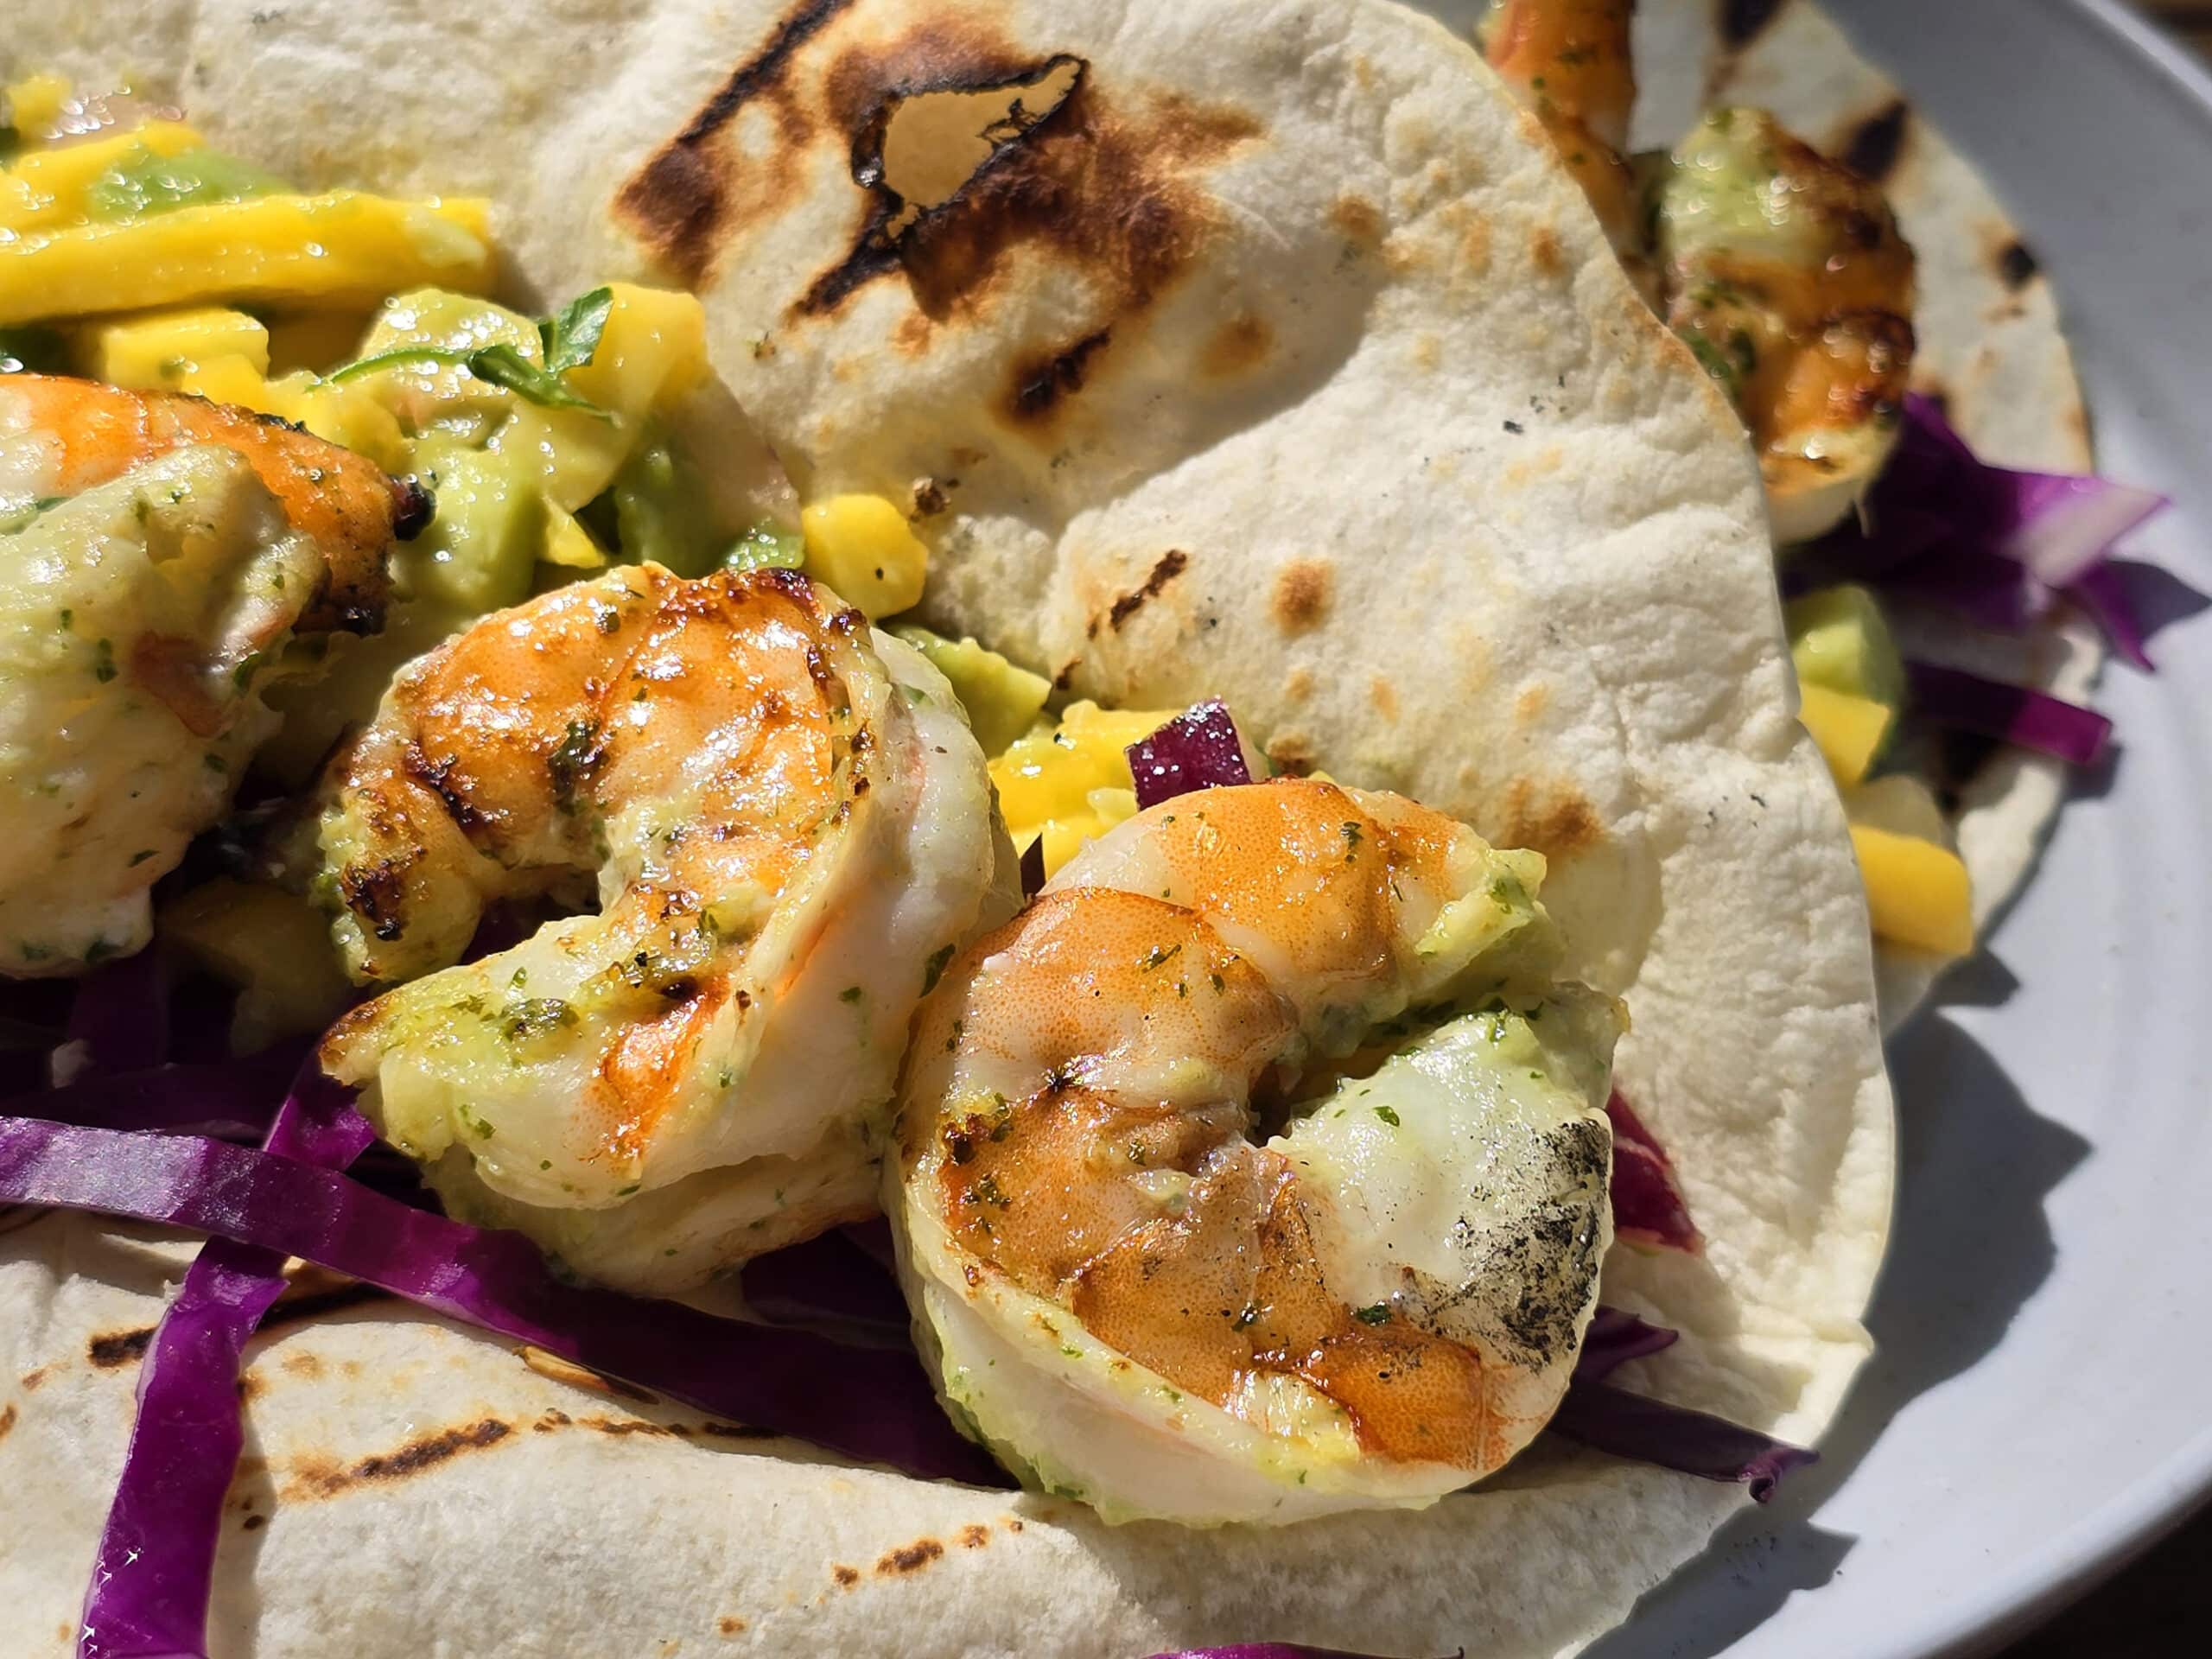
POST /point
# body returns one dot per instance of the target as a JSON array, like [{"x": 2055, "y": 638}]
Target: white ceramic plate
[{"x": 2035, "y": 1413}]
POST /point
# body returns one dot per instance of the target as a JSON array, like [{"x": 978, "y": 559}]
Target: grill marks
[
  {"x": 1873, "y": 147},
  {"x": 1742, "y": 21},
  {"x": 1064, "y": 172}
]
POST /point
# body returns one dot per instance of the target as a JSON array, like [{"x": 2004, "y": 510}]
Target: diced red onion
[
  {"x": 1200, "y": 748},
  {"x": 152, "y": 1574},
  {"x": 1033, "y": 867},
  {"x": 2013, "y": 713},
  {"x": 1611, "y": 1420},
  {"x": 868, "y": 1404},
  {"x": 1648, "y": 1206},
  {"x": 1996, "y": 545}
]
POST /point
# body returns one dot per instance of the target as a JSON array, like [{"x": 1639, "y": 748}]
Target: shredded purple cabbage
[
  {"x": 833, "y": 1284},
  {"x": 879, "y": 1409},
  {"x": 118, "y": 1020},
  {"x": 233, "y": 1100},
  {"x": 1634, "y": 1426},
  {"x": 152, "y": 1575},
  {"x": 1197, "y": 749},
  {"x": 2012, "y": 714},
  {"x": 1616, "y": 1336},
  {"x": 1997, "y": 546},
  {"x": 1648, "y": 1206}
]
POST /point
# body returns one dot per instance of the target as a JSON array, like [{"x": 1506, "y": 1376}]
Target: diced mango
[
  {"x": 862, "y": 547},
  {"x": 1917, "y": 892},
  {"x": 345, "y": 414},
  {"x": 156, "y": 351},
  {"x": 1002, "y": 700},
  {"x": 1849, "y": 730},
  {"x": 1070, "y": 782},
  {"x": 48, "y": 187},
  {"x": 231, "y": 380},
  {"x": 273, "y": 945},
  {"x": 33, "y": 102},
  {"x": 340, "y": 249},
  {"x": 1899, "y": 802},
  {"x": 652, "y": 350},
  {"x": 568, "y": 544}
]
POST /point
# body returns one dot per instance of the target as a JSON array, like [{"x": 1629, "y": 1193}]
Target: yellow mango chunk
[
  {"x": 345, "y": 414},
  {"x": 48, "y": 186},
  {"x": 568, "y": 544},
  {"x": 1917, "y": 892},
  {"x": 862, "y": 547},
  {"x": 34, "y": 101},
  {"x": 231, "y": 380},
  {"x": 1070, "y": 783},
  {"x": 1849, "y": 730},
  {"x": 340, "y": 249},
  {"x": 156, "y": 351},
  {"x": 652, "y": 350}
]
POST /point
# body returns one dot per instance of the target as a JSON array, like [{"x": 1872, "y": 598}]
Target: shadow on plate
[{"x": 1969, "y": 1246}]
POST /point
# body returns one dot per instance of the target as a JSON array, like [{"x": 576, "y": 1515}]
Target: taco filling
[{"x": 1031, "y": 794}]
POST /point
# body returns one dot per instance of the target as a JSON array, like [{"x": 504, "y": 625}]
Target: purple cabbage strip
[
  {"x": 1648, "y": 1206},
  {"x": 832, "y": 1284},
  {"x": 1995, "y": 545},
  {"x": 231, "y": 1100},
  {"x": 118, "y": 1020},
  {"x": 1033, "y": 867},
  {"x": 881, "y": 1410},
  {"x": 2013, "y": 713},
  {"x": 1197, "y": 749},
  {"x": 1616, "y": 1336},
  {"x": 1634, "y": 1426},
  {"x": 153, "y": 1573}
]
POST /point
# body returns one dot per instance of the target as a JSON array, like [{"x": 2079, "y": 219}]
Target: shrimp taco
[{"x": 917, "y": 824}]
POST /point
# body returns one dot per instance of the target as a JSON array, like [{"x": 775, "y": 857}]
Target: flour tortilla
[{"x": 1455, "y": 515}]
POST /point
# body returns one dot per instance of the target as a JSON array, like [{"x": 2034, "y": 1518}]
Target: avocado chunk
[
  {"x": 149, "y": 183},
  {"x": 485, "y": 534},
  {"x": 1002, "y": 700},
  {"x": 1841, "y": 641}
]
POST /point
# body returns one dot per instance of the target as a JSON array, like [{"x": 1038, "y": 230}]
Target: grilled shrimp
[
  {"x": 790, "y": 830},
  {"x": 60, "y": 436},
  {"x": 1569, "y": 61},
  {"x": 1138, "y": 1297},
  {"x": 163, "y": 551},
  {"x": 1785, "y": 272}
]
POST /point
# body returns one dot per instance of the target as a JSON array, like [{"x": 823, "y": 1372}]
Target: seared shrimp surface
[
  {"x": 60, "y": 436},
  {"x": 140, "y": 624},
  {"x": 790, "y": 829},
  {"x": 1785, "y": 272},
  {"x": 1570, "y": 62},
  {"x": 1138, "y": 1297}
]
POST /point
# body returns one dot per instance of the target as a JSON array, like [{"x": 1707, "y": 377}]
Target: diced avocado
[
  {"x": 766, "y": 546},
  {"x": 485, "y": 533},
  {"x": 436, "y": 316},
  {"x": 1839, "y": 639},
  {"x": 660, "y": 512},
  {"x": 273, "y": 945},
  {"x": 147, "y": 183},
  {"x": 1002, "y": 700}
]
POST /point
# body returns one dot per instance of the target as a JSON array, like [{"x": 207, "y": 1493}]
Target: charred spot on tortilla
[
  {"x": 677, "y": 202},
  {"x": 1743, "y": 21},
  {"x": 910, "y": 1558},
  {"x": 1292, "y": 754},
  {"x": 847, "y": 1577},
  {"x": 8, "y": 1421},
  {"x": 424, "y": 1452},
  {"x": 1171, "y": 565},
  {"x": 1039, "y": 384},
  {"x": 119, "y": 1347},
  {"x": 1873, "y": 149},
  {"x": 2017, "y": 265},
  {"x": 1555, "y": 821},
  {"x": 901, "y": 157},
  {"x": 1360, "y": 222},
  {"x": 1239, "y": 345},
  {"x": 1301, "y": 594}
]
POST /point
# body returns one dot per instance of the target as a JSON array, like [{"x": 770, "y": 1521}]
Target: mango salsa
[
  {"x": 1917, "y": 892},
  {"x": 1070, "y": 783},
  {"x": 155, "y": 350},
  {"x": 1849, "y": 730},
  {"x": 53, "y": 187},
  {"x": 34, "y": 101},
  {"x": 653, "y": 349},
  {"x": 863, "y": 549},
  {"x": 340, "y": 249},
  {"x": 1002, "y": 700}
]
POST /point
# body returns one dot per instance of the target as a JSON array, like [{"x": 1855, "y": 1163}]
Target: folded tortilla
[{"x": 1269, "y": 355}]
